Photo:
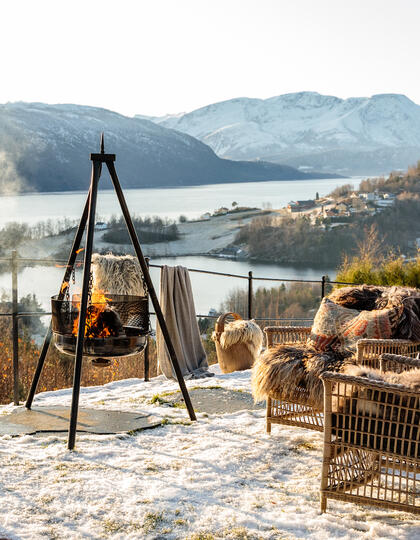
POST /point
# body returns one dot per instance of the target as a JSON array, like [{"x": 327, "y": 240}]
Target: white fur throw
[
  {"x": 408, "y": 379},
  {"x": 246, "y": 332},
  {"x": 117, "y": 274}
]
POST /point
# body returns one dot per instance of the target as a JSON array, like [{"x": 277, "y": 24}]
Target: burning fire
[{"x": 99, "y": 317}]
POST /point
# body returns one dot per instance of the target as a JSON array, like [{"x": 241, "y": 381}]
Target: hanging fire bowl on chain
[{"x": 115, "y": 326}]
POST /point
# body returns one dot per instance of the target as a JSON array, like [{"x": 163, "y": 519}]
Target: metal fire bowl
[
  {"x": 133, "y": 313},
  {"x": 101, "y": 347}
]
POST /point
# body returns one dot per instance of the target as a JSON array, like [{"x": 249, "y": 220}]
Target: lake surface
[{"x": 167, "y": 202}]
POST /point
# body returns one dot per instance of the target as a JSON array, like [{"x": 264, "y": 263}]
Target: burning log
[{"x": 106, "y": 323}]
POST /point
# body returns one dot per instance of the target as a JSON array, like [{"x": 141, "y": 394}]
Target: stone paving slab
[
  {"x": 56, "y": 419},
  {"x": 216, "y": 400}
]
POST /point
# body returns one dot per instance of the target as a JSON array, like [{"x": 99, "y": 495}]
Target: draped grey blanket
[{"x": 177, "y": 303}]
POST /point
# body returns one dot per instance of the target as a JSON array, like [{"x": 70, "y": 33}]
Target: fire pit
[
  {"x": 110, "y": 324},
  {"x": 116, "y": 325}
]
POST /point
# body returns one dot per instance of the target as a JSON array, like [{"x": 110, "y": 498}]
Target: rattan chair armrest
[
  {"x": 388, "y": 360},
  {"x": 369, "y": 350},
  {"x": 286, "y": 334},
  {"x": 280, "y": 329},
  {"x": 366, "y": 383},
  {"x": 366, "y": 341}
]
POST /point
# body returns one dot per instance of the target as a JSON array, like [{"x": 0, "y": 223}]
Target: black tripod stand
[{"x": 88, "y": 217}]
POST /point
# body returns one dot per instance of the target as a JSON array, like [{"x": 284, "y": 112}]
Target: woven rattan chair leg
[
  {"x": 323, "y": 503},
  {"x": 268, "y": 415}
]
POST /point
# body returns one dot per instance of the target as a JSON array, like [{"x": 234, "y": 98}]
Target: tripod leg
[
  {"x": 72, "y": 258},
  {"x": 150, "y": 288},
  {"x": 96, "y": 172}
]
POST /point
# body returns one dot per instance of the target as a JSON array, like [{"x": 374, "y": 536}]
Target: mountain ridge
[
  {"x": 308, "y": 129},
  {"x": 46, "y": 148}
]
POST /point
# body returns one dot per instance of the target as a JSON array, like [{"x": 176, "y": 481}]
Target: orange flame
[
  {"x": 79, "y": 250},
  {"x": 98, "y": 304},
  {"x": 64, "y": 286}
]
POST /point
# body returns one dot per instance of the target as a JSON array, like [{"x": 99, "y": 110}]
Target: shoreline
[{"x": 197, "y": 238}]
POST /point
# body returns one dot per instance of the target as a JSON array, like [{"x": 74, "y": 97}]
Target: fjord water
[
  {"x": 209, "y": 290},
  {"x": 166, "y": 202}
]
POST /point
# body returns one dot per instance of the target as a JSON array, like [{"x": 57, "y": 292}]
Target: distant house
[
  {"x": 300, "y": 206},
  {"x": 241, "y": 254},
  {"x": 385, "y": 202},
  {"x": 221, "y": 211},
  {"x": 205, "y": 217},
  {"x": 368, "y": 196},
  {"x": 330, "y": 212},
  {"x": 342, "y": 209}
]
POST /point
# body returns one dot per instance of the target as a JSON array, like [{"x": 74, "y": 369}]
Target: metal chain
[{"x": 90, "y": 287}]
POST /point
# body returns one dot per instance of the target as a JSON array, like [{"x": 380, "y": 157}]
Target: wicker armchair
[
  {"x": 298, "y": 412},
  {"x": 372, "y": 440}
]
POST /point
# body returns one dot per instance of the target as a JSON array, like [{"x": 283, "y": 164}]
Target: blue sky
[{"x": 164, "y": 56}]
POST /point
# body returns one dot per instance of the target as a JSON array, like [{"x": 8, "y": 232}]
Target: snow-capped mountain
[
  {"x": 307, "y": 129},
  {"x": 46, "y": 148}
]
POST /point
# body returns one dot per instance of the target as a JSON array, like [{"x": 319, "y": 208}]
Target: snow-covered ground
[{"x": 220, "y": 477}]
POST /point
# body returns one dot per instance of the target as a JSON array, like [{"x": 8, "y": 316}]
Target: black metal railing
[{"x": 15, "y": 263}]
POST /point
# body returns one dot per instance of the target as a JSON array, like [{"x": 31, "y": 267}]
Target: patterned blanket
[{"x": 338, "y": 327}]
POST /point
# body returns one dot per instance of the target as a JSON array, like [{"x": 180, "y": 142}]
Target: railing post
[
  {"x": 323, "y": 287},
  {"x": 146, "y": 348},
  {"x": 250, "y": 294},
  {"x": 15, "y": 328}
]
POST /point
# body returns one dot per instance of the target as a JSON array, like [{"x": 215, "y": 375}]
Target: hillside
[
  {"x": 352, "y": 136},
  {"x": 46, "y": 148},
  {"x": 337, "y": 227}
]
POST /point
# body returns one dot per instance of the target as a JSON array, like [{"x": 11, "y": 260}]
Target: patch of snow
[{"x": 221, "y": 476}]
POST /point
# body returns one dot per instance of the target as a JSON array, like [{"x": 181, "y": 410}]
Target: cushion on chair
[{"x": 339, "y": 327}]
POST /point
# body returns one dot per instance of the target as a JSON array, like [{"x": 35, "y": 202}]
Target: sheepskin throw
[
  {"x": 246, "y": 332},
  {"x": 292, "y": 373},
  {"x": 238, "y": 345},
  {"x": 409, "y": 379},
  {"x": 118, "y": 274}
]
